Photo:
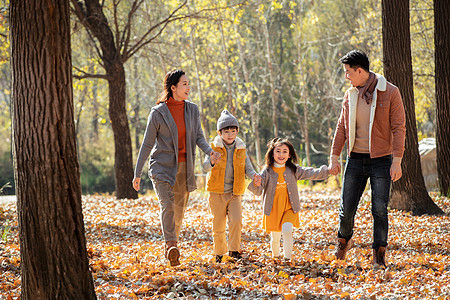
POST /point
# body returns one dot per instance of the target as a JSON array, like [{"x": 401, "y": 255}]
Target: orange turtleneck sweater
[{"x": 176, "y": 108}]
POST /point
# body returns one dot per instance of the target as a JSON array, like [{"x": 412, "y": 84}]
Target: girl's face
[
  {"x": 281, "y": 154},
  {"x": 180, "y": 91}
]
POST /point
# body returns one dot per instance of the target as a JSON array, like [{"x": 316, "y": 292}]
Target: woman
[{"x": 173, "y": 130}]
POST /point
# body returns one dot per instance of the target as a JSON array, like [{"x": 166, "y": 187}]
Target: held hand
[
  {"x": 257, "y": 180},
  {"x": 215, "y": 157},
  {"x": 136, "y": 183},
  {"x": 334, "y": 168},
  {"x": 396, "y": 171}
]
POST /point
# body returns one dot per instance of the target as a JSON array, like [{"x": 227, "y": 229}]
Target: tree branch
[
  {"x": 171, "y": 18},
  {"x": 81, "y": 14},
  {"x": 88, "y": 75},
  {"x": 125, "y": 40}
]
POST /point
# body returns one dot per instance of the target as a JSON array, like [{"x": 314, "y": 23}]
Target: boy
[{"x": 226, "y": 184}]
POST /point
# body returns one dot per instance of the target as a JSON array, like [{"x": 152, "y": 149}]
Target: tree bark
[
  {"x": 253, "y": 113},
  {"x": 201, "y": 105},
  {"x": 54, "y": 262},
  {"x": 442, "y": 80},
  {"x": 123, "y": 162},
  {"x": 272, "y": 79},
  {"x": 137, "y": 106},
  {"x": 231, "y": 105},
  {"x": 409, "y": 193},
  {"x": 203, "y": 119},
  {"x": 93, "y": 18}
]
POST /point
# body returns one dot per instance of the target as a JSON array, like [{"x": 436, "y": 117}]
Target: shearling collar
[
  {"x": 381, "y": 85},
  {"x": 218, "y": 142}
]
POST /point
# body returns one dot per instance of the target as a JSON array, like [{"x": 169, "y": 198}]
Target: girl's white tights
[
  {"x": 288, "y": 241},
  {"x": 275, "y": 237}
]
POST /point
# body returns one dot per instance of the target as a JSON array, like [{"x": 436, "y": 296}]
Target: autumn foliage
[{"x": 125, "y": 245}]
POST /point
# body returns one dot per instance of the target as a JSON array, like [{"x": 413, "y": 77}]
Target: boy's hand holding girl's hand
[
  {"x": 257, "y": 180},
  {"x": 214, "y": 157}
]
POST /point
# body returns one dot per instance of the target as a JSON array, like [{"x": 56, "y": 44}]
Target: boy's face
[{"x": 228, "y": 135}]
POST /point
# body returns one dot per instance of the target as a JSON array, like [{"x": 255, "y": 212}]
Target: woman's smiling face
[{"x": 180, "y": 91}]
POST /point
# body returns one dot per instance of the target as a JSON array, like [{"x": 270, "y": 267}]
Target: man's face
[{"x": 356, "y": 77}]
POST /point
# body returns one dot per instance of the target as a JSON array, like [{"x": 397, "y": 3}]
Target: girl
[
  {"x": 173, "y": 131},
  {"x": 278, "y": 185}
]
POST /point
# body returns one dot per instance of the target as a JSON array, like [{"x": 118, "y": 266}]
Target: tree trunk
[
  {"x": 95, "y": 105},
  {"x": 54, "y": 262},
  {"x": 272, "y": 79},
  {"x": 123, "y": 162},
  {"x": 201, "y": 105},
  {"x": 301, "y": 85},
  {"x": 203, "y": 120},
  {"x": 253, "y": 114},
  {"x": 409, "y": 193},
  {"x": 137, "y": 106},
  {"x": 231, "y": 106},
  {"x": 442, "y": 80},
  {"x": 94, "y": 19}
]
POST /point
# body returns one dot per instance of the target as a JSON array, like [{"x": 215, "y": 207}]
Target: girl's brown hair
[
  {"x": 290, "y": 163},
  {"x": 171, "y": 78}
]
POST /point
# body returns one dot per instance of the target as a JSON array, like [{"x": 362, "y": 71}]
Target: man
[{"x": 372, "y": 122}]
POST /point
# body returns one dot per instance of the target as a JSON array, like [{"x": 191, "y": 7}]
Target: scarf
[{"x": 367, "y": 90}]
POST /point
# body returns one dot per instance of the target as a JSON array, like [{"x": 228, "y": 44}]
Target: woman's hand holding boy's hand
[
  {"x": 215, "y": 157},
  {"x": 257, "y": 180}
]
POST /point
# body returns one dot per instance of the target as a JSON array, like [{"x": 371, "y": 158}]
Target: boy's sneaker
[
  {"x": 235, "y": 254},
  {"x": 173, "y": 255},
  {"x": 219, "y": 258}
]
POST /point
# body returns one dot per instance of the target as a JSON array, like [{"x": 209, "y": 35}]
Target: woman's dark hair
[
  {"x": 356, "y": 59},
  {"x": 290, "y": 163},
  {"x": 171, "y": 78}
]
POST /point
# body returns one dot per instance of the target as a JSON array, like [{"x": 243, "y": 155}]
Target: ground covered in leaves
[{"x": 125, "y": 245}]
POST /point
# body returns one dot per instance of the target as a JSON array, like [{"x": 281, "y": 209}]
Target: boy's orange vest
[{"x": 216, "y": 177}]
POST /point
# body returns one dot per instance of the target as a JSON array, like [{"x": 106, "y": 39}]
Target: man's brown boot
[
  {"x": 343, "y": 247},
  {"x": 379, "y": 257}
]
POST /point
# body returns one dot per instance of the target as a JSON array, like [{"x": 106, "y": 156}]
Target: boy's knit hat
[{"x": 226, "y": 119}]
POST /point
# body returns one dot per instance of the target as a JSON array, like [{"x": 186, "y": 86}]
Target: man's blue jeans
[{"x": 358, "y": 169}]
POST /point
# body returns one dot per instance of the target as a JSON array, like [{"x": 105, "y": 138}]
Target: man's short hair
[{"x": 356, "y": 59}]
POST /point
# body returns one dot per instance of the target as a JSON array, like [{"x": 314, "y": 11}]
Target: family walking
[{"x": 371, "y": 124}]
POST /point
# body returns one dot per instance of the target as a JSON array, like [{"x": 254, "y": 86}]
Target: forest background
[{"x": 274, "y": 64}]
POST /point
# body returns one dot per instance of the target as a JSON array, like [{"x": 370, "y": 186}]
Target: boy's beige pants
[{"x": 223, "y": 205}]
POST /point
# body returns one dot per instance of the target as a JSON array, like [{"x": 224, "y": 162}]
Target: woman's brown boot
[{"x": 173, "y": 253}]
